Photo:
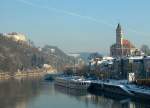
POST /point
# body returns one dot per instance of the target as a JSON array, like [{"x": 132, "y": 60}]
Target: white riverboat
[
  {"x": 139, "y": 91},
  {"x": 74, "y": 82},
  {"x": 112, "y": 86},
  {"x": 121, "y": 87}
]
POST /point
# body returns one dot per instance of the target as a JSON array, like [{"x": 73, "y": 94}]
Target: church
[{"x": 122, "y": 47}]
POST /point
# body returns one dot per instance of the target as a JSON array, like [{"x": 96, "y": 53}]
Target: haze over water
[{"x": 37, "y": 93}]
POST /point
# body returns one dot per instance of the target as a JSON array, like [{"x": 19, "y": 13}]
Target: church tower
[
  {"x": 122, "y": 47},
  {"x": 119, "y": 36}
]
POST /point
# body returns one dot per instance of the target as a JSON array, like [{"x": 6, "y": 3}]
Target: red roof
[{"x": 127, "y": 43}]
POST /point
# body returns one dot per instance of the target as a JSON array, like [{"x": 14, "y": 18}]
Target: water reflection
[
  {"x": 16, "y": 93},
  {"x": 102, "y": 100},
  {"x": 98, "y": 101},
  {"x": 71, "y": 92},
  {"x": 36, "y": 93}
]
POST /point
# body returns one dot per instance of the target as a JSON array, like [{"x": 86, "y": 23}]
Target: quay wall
[{"x": 35, "y": 72}]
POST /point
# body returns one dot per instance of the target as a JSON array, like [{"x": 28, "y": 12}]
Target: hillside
[
  {"x": 56, "y": 57},
  {"x": 23, "y": 55}
]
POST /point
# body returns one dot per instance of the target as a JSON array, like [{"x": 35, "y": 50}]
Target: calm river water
[{"x": 37, "y": 93}]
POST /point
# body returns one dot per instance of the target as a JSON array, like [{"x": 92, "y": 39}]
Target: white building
[
  {"x": 147, "y": 66},
  {"x": 16, "y": 36}
]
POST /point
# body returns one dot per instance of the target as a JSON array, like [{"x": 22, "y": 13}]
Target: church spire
[
  {"x": 118, "y": 26},
  {"x": 119, "y": 34}
]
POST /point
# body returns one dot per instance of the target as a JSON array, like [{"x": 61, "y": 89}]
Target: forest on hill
[{"x": 23, "y": 55}]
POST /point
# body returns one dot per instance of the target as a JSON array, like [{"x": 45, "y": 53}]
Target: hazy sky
[{"x": 77, "y": 25}]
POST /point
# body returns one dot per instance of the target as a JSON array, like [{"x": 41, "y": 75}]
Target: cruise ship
[
  {"x": 74, "y": 82},
  {"x": 120, "y": 88},
  {"x": 139, "y": 91},
  {"x": 111, "y": 86}
]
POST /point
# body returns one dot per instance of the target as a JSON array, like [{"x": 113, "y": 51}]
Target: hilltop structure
[
  {"x": 16, "y": 36},
  {"x": 17, "y": 53},
  {"x": 123, "y": 47}
]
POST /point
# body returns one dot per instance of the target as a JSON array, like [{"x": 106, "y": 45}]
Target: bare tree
[{"x": 145, "y": 49}]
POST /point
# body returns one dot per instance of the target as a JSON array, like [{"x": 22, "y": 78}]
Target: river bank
[{"x": 29, "y": 73}]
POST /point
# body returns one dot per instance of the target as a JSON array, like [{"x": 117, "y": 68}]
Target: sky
[{"x": 77, "y": 25}]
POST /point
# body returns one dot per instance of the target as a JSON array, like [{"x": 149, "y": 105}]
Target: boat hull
[
  {"x": 104, "y": 87},
  {"x": 71, "y": 83},
  {"x": 140, "y": 95}
]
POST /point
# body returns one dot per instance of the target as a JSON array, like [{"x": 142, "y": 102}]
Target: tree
[
  {"x": 145, "y": 49},
  {"x": 95, "y": 55},
  {"x": 34, "y": 60}
]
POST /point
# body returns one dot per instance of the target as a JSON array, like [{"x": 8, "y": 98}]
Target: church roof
[{"x": 126, "y": 43}]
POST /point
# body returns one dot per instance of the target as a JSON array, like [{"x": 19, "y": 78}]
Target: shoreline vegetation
[
  {"x": 29, "y": 73},
  {"x": 19, "y": 56}
]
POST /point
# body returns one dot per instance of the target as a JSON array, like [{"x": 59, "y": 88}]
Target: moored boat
[
  {"x": 110, "y": 86},
  {"x": 139, "y": 91},
  {"x": 74, "y": 82},
  {"x": 120, "y": 88},
  {"x": 52, "y": 76}
]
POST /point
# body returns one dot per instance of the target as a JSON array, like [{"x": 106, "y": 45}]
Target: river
[{"x": 37, "y": 93}]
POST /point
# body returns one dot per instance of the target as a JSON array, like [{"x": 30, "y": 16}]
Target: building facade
[{"x": 122, "y": 47}]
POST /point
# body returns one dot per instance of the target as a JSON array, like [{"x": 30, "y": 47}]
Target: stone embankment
[{"x": 29, "y": 73}]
